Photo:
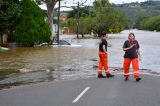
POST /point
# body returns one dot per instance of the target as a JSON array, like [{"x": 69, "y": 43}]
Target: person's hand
[
  {"x": 131, "y": 46},
  {"x": 140, "y": 58}
]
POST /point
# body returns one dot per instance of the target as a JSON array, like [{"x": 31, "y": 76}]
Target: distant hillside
[{"x": 135, "y": 10}]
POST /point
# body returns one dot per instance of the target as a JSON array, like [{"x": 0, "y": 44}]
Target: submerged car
[
  {"x": 61, "y": 43},
  {"x": 4, "y": 49},
  {"x": 65, "y": 43}
]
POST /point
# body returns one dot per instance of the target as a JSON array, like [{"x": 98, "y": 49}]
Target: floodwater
[{"x": 38, "y": 64}]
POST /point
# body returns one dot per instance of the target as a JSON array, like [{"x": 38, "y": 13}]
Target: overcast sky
[
  {"x": 111, "y": 1},
  {"x": 89, "y": 2}
]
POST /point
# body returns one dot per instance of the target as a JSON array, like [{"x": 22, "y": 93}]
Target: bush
[
  {"x": 151, "y": 23},
  {"x": 31, "y": 27}
]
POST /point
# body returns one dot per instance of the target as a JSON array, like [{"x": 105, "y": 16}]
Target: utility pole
[
  {"x": 58, "y": 22},
  {"x": 78, "y": 20}
]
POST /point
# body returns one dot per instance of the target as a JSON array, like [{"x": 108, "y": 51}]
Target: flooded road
[{"x": 62, "y": 62}]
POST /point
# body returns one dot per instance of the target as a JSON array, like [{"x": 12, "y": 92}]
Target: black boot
[
  {"x": 101, "y": 76},
  {"x": 109, "y": 75},
  {"x": 138, "y": 79}
]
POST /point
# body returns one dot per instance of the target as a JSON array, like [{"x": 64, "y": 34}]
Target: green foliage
[
  {"x": 10, "y": 11},
  {"x": 83, "y": 12},
  {"x": 100, "y": 4},
  {"x": 72, "y": 23},
  {"x": 135, "y": 11},
  {"x": 86, "y": 15},
  {"x": 108, "y": 19},
  {"x": 140, "y": 21},
  {"x": 119, "y": 22},
  {"x": 86, "y": 24},
  {"x": 31, "y": 27},
  {"x": 111, "y": 21},
  {"x": 132, "y": 13},
  {"x": 151, "y": 23}
]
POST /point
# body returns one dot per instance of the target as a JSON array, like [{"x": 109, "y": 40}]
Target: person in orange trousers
[
  {"x": 132, "y": 53},
  {"x": 103, "y": 57}
]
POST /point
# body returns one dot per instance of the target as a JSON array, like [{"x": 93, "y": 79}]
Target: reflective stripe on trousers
[
  {"x": 135, "y": 65},
  {"x": 103, "y": 63}
]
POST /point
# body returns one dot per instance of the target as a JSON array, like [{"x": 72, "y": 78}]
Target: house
[{"x": 65, "y": 29}]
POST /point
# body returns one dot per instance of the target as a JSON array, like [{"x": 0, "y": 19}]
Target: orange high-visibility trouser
[
  {"x": 103, "y": 62},
  {"x": 135, "y": 65}
]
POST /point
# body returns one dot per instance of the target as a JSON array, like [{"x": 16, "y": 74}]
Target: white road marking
[{"x": 80, "y": 95}]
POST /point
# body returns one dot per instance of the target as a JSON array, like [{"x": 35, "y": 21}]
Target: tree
[
  {"x": 99, "y": 4},
  {"x": 72, "y": 23},
  {"x": 85, "y": 21},
  {"x": 152, "y": 23},
  {"x": 50, "y": 8},
  {"x": 135, "y": 11},
  {"x": 140, "y": 21},
  {"x": 120, "y": 21},
  {"x": 31, "y": 27},
  {"x": 107, "y": 18},
  {"x": 10, "y": 11},
  {"x": 85, "y": 25},
  {"x": 83, "y": 12}
]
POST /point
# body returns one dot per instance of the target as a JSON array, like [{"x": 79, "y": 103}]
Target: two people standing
[{"x": 132, "y": 53}]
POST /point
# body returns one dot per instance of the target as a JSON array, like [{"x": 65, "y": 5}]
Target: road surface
[{"x": 86, "y": 92}]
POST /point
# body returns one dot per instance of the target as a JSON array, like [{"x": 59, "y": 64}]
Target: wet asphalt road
[{"x": 86, "y": 92}]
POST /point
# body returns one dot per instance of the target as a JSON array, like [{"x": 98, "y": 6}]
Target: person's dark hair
[{"x": 104, "y": 33}]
